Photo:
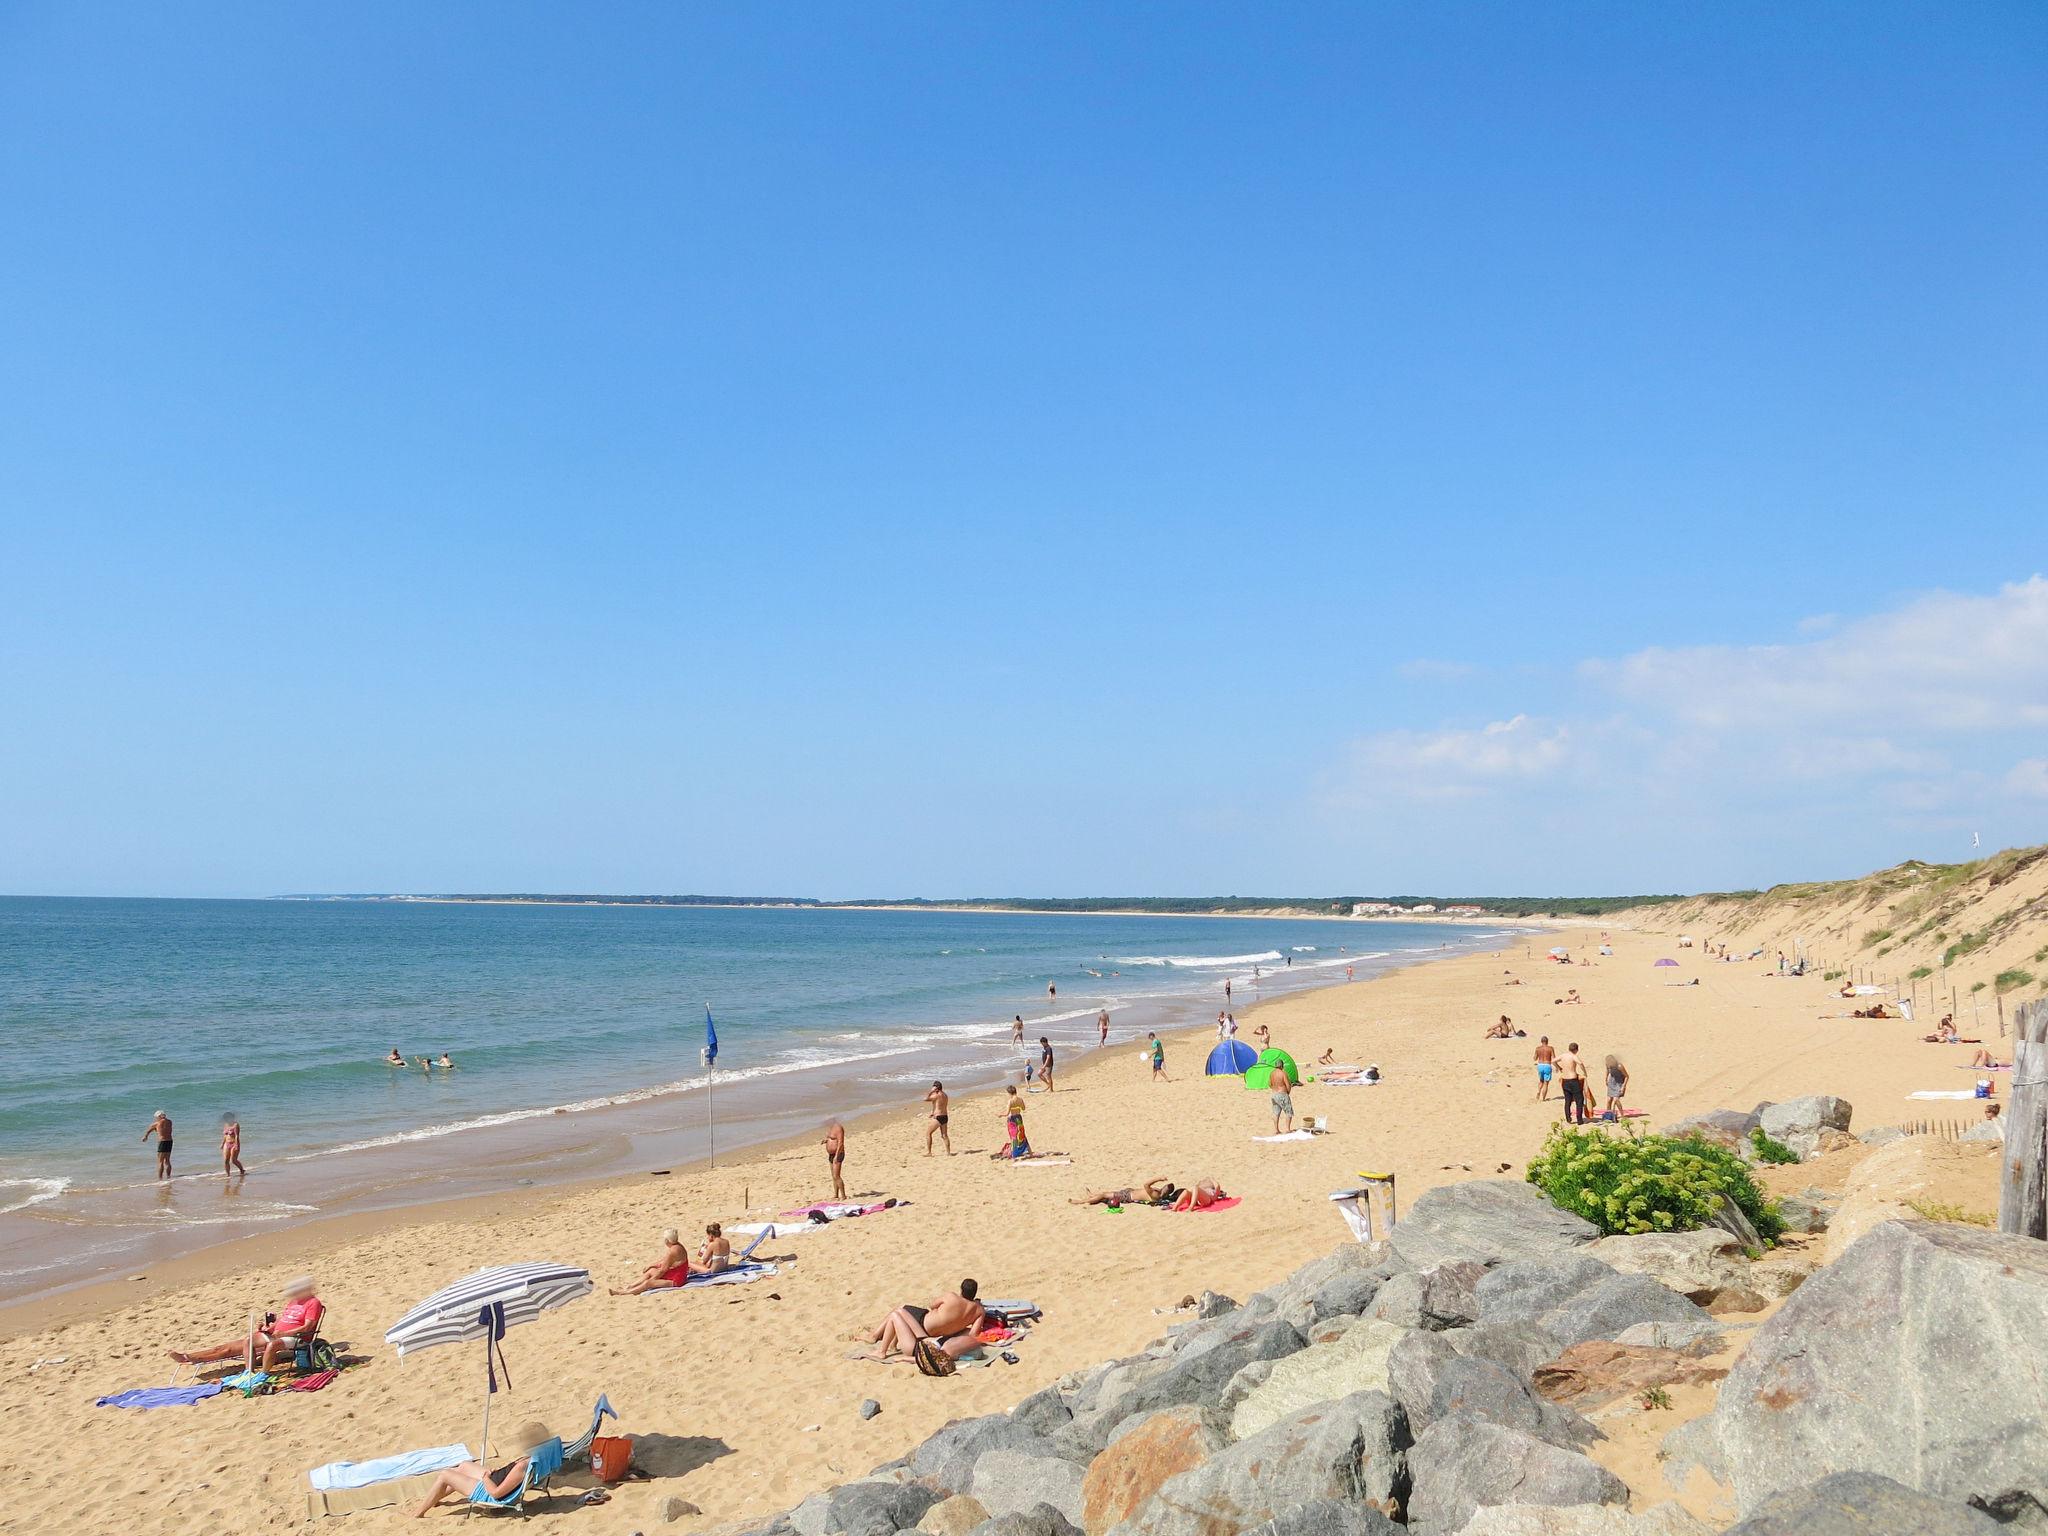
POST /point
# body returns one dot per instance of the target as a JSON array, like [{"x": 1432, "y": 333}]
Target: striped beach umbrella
[{"x": 483, "y": 1307}]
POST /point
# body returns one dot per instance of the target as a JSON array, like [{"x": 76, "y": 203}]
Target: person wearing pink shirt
[{"x": 281, "y": 1333}]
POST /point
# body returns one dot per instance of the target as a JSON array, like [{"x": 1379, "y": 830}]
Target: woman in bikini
[
  {"x": 1016, "y": 1144},
  {"x": 465, "y": 1480},
  {"x": 666, "y": 1272},
  {"x": 716, "y": 1254},
  {"x": 1154, "y": 1191}
]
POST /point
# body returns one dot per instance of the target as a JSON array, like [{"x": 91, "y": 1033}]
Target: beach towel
[
  {"x": 739, "y": 1274},
  {"x": 2003, "y": 1066},
  {"x": 1943, "y": 1093},
  {"x": 245, "y": 1382},
  {"x": 1214, "y": 1205},
  {"x": 1040, "y": 1162},
  {"x": 1014, "y": 1311},
  {"x": 312, "y": 1383},
  {"x": 833, "y": 1210},
  {"x": 160, "y": 1397},
  {"x": 1289, "y": 1136},
  {"x": 384, "y": 1469},
  {"x": 1350, "y": 1082}
]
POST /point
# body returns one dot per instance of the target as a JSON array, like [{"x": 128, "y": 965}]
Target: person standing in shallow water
[
  {"x": 231, "y": 1147},
  {"x": 1102, "y": 1027},
  {"x": 1017, "y": 1029},
  {"x": 1045, "y": 1062},
  {"x": 160, "y": 1132}
]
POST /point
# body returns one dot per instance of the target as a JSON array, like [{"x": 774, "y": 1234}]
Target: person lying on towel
[
  {"x": 1153, "y": 1192},
  {"x": 281, "y": 1333},
  {"x": 948, "y": 1322}
]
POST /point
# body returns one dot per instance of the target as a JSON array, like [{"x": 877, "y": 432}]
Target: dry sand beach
[{"x": 743, "y": 1399}]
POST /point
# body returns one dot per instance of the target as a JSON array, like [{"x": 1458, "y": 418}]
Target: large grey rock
[
  {"x": 1142, "y": 1456},
  {"x": 1575, "y": 1297},
  {"x": 1802, "y": 1213},
  {"x": 1339, "y": 1284},
  {"x": 1985, "y": 1130},
  {"x": 1699, "y": 1337},
  {"x": 1487, "y": 1221},
  {"x": 1461, "y": 1463},
  {"x": 866, "y": 1508},
  {"x": 1698, "y": 1265},
  {"x": 1040, "y": 1520},
  {"x": 1326, "y": 1517},
  {"x": 1862, "y": 1504},
  {"x": 1583, "y": 1520},
  {"x": 1800, "y": 1120},
  {"x": 954, "y": 1516},
  {"x": 1517, "y": 1347},
  {"x": 1350, "y": 1451},
  {"x": 1723, "y": 1127},
  {"x": 1267, "y": 1391},
  {"x": 1197, "y": 1373},
  {"x": 1013, "y": 1482},
  {"x": 1695, "y": 1443},
  {"x": 1432, "y": 1381},
  {"x": 947, "y": 1458},
  {"x": 1920, "y": 1353},
  {"x": 1883, "y": 1135},
  {"x": 1043, "y": 1412},
  {"x": 1437, "y": 1297}
]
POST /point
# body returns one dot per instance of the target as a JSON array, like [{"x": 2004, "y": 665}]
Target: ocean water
[{"x": 575, "y": 1032}]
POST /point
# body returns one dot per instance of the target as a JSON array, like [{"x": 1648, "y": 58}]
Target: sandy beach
[{"x": 743, "y": 1399}]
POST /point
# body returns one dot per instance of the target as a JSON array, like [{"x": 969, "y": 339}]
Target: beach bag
[
  {"x": 611, "y": 1456},
  {"x": 932, "y": 1360}
]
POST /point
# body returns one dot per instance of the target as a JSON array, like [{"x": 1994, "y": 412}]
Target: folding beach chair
[{"x": 543, "y": 1462}]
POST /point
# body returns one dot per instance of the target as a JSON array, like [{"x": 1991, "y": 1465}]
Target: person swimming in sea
[
  {"x": 394, "y": 1058},
  {"x": 445, "y": 1064}
]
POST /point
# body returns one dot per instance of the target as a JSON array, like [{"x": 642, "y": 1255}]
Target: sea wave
[
  {"x": 20, "y": 1194},
  {"x": 1198, "y": 962}
]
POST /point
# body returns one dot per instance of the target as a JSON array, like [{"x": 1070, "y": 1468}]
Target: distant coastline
[{"x": 1398, "y": 908}]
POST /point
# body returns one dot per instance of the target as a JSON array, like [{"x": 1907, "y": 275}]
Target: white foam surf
[{"x": 20, "y": 1194}]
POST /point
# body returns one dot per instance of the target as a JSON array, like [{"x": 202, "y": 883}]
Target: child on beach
[{"x": 231, "y": 1147}]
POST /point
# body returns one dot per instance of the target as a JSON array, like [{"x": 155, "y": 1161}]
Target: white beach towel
[
  {"x": 1943, "y": 1093},
  {"x": 1290, "y": 1136},
  {"x": 1040, "y": 1162}
]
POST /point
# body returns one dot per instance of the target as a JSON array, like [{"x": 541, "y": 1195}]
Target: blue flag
[{"x": 710, "y": 1039}]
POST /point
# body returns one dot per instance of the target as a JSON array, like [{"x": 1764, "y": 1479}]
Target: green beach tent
[{"x": 1260, "y": 1074}]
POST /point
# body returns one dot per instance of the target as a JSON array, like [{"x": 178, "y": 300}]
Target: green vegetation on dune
[{"x": 1647, "y": 1183}]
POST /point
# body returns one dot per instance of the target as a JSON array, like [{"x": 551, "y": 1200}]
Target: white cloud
[
  {"x": 1457, "y": 764},
  {"x": 2029, "y": 778},
  {"x": 1944, "y": 662}
]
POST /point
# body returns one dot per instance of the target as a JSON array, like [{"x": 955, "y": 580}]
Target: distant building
[
  {"x": 1463, "y": 909},
  {"x": 1427, "y": 906},
  {"x": 1372, "y": 908}
]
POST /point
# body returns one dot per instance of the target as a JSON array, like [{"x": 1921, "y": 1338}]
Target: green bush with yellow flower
[{"x": 1644, "y": 1183}]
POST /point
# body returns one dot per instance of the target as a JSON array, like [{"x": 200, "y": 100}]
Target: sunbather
[
  {"x": 1982, "y": 1057},
  {"x": 716, "y": 1254},
  {"x": 949, "y": 1322},
  {"x": 465, "y": 1480},
  {"x": 666, "y": 1272},
  {"x": 281, "y": 1333},
  {"x": 1152, "y": 1190},
  {"x": 1202, "y": 1196}
]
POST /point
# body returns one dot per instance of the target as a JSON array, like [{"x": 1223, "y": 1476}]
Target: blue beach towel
[
  {"x": 160, "y": 1397},
  {"x": 384, "y": 1469},
  {"x": 739, "y": 1274}
]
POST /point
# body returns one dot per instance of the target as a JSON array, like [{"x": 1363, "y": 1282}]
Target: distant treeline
[{"x": 1207, "y": 906}]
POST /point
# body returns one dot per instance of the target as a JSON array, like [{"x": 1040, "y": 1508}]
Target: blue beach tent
[{"x": 1231, "y": 1058}]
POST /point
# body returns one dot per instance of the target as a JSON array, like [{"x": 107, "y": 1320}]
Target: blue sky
[{"x": 964, "y": 449}]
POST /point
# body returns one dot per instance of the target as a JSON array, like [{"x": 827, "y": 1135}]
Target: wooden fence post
[{"x": 2023, "y": 1202}]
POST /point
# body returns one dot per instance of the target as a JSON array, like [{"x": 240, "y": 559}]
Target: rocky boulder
[
  {"x": 1350, "y": 1451},
  {"x": 1799, "y": 1122},
  {"x": 1919, "y": 1353},
  {"x": 953, "y": 1517},
  {"x": 1574, "y": 1297},
  {"x": 1139, "y": 1460},
  {"x": 871, "y": 1507},
  {"x": 1688, "y": 1338},
  {"x": 1264, "y": 1393},
  {"x": 1485, "y": 1221},
  {"x": 1326, "y": 1517},
  {"x": 1599, "y": 1371},
  {"x": 1462, "y": 1464},
  {"x": 946, "y": 1460},
  {"x": 1432, "y": 1381},
  {"x": 1805, "y": 1212},
  {"x": 1698, "y": 1265},
  {"x": 1583, "y": 1520},
  {"x": 1728, "y": 1128},
  {"x": 1437, "y": 1297},
  {"x": 1862, "y": 1504},
  {"x": 1015, "y": 1482},
  {"x": 1039, "y": 1520},
  {"x": 1196, "y": 1373},
  {"x": 1516, "y": 1347}
]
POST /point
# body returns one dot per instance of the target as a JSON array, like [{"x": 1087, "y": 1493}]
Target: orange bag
[{"x": 611, "y": 1456}]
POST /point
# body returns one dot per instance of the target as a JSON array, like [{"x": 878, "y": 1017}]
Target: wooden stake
[{"x": 2023, "y": 1199}]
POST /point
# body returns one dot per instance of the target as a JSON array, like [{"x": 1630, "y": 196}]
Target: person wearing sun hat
[
  {"x": 280, "y": 1333},
  {"x": 469, "y": 1480}
]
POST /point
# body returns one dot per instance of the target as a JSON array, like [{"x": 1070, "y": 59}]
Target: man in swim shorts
[
  {"x": 1158, "y": 1059},
  {"x": 160, "y": 1132},
  {"x": 1571, "y": 1076},
  {"x": 1546, "y": 1067},
  {"x": 939, "y": 1101},
  {"x": 1283, "y": 1103},
  {"x": 835, "y": 1157}
]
